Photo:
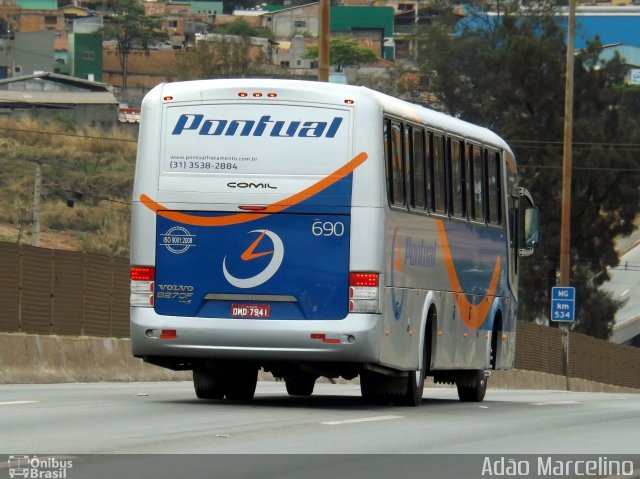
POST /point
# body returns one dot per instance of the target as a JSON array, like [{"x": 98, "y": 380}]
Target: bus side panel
[
  {"x": 465, "y": 267},
  {"x": 506, "y": 345}
]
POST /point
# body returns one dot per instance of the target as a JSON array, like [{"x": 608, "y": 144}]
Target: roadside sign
[{"x": 563, "y": 304}]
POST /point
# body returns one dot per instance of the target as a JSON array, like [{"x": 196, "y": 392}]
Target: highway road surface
[{"x": 158, "y": 430}]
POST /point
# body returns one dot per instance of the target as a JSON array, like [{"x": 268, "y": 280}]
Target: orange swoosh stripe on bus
[
  {"x": 472, "y": 314},
  {"x": 237, "y": 218}
]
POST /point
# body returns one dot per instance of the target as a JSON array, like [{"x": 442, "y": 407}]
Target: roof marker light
[
  {"x": 242, "y": 94},
  {"x": 168, "y": 98},
  {"x": 257, "y": 94},
  {"x": 272, "y": 95},
  {"x": 349, "y": 102}
]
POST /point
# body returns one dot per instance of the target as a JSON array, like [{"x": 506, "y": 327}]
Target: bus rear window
[{"x": 253, "y": 140}]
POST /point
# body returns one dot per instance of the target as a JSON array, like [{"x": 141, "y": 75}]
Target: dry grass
[{"x": 98, "y": 164}]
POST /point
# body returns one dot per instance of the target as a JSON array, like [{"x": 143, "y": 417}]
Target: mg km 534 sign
[{"x": 563, "y": 302}]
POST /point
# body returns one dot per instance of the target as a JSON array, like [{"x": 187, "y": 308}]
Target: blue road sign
[{"x": 563, "y": 304}]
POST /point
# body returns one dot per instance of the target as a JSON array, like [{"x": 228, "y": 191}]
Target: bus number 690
[{"x": 327, "y": 228}]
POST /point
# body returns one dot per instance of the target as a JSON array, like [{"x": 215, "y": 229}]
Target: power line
[
  {"x": 74, "y": 135},
  {"x": 528, "y": 143}
]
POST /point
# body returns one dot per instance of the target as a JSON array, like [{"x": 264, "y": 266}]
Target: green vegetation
[
  {"x": 242, "y": 28},
  {"x": 96, "y": 164},
  {"x": 132, "y": 29},
  {"x": 218, "y": 59},
  {"x": 345, "y": 51},
  {"x": 509, "y": 76}
]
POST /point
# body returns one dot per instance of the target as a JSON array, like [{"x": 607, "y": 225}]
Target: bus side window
[
  {"x": 476, "y": 201},
  {"x": 387, "y": 149},
  {"x": 439, "y": 175},
  {"x": 429, "y": 169},
  {"x": 493, "y": 180},
  {"x": 397, "y": 165},
  {"x": 457, "y": 177},
  {"x": 418, "y": 172}
]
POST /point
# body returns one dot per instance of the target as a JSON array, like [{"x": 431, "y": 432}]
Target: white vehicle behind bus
[{"x": 323, "y": 230}]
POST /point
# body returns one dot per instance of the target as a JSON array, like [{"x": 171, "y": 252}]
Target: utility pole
[
  {"x": 565, "y": 225},
  {"x": 37, "y": 186},
  {"x": 323, "y": 42}
]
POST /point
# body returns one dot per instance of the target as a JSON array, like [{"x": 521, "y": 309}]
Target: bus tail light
[
  {"x": 364, "y": 293},
  {"x": 142, "y": 285}
]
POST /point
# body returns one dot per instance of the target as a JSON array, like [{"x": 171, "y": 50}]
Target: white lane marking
[
  {"x": 361, "y": 419},
  {"x": 624, "y": 292},
  {"x": 11, "y": 403},
  {"x": 554, "y": 403}
]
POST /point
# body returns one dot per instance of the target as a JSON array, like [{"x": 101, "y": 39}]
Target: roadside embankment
[{"x": 32, "y": 358}]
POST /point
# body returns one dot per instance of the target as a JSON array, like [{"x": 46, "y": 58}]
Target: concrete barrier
[{"x": 32, "y": 358}]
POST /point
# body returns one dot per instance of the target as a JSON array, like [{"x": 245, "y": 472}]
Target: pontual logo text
[
  {"x": 264, "y": 126},
  {"x": 420, "y": 254}
]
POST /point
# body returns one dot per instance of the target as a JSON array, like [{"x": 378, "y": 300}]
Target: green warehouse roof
[{"x": 347, "y": 18}]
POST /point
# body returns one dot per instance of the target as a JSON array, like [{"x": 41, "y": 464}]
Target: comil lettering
[
  {"x": 265, "y": 126},
  {"x": 234, "y": 184}
]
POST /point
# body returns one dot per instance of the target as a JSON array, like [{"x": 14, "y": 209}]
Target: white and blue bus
[{"x": 320, "y": 230}]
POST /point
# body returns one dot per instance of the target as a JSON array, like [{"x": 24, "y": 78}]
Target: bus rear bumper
[{"x": 353, "y": 339}]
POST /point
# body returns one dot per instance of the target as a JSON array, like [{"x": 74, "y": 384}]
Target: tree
[
  {"x": 132, "y": 29},
  {"x": 344, "y": 51},
  {"x": 242, "y": 28},
  {"x": 508, "y": 74},
  {"x": 228, "y": 57}
]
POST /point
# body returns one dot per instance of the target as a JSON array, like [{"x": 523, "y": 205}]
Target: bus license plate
[{"x": 258, "y": 311}]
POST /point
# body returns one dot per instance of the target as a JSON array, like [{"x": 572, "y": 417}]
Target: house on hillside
[
  {"x": 630, "y": 55},
  {"x": 84, "y": 49},
  {"x": 45, "y": 95},
  {"x": 34, "y": 36},
  {"x": 296, "y": 28},
  {"x": 371, "y": 26}
]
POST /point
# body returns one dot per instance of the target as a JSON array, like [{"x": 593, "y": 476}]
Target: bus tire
[
  {"x": 415, "y": 386},
  {"x": 378, "y": 389},
  {"x": 208, "y": 384},
  {"x": 300, "y": 384},
  {"x": 415, "y": 382},
  {"x": 372, "y": 389},
  {"x": 240, "y": 383},
  {"x": 475, "y": 391}
]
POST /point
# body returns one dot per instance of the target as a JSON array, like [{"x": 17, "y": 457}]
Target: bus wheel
[
  {"x": 475, "y": 391},
  {"x": 208, "y": 384},
  {"x": 415, "y": 382},
  {"x": 415, "y": 386},
  {"x": 300, "y": 384},
  {"x": 376, "y": 388},
  {"x": 240, "y": 383}
]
